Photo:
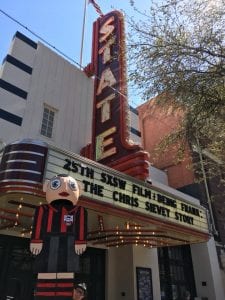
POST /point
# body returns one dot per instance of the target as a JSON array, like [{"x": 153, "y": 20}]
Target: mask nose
[{"x": 66, "y": 187}]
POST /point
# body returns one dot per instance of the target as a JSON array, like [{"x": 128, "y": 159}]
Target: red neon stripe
[
  {"x": 45, "y": 294},
  {"x": 39, "y": 221},
  {"x": 50, "y": 215},
  {"x": 64, "y": 293},
  {"x": 46, "y": 284},
  {"x": 63, "y": 224},
  {"x": 81, "y": 236},
  {"x": 65, "y": 284}
]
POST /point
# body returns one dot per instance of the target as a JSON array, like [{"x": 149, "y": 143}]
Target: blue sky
[{"x": 58, "y": 22}]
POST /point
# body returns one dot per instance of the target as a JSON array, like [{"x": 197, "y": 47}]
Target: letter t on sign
[{"x": 105, "y": 108}]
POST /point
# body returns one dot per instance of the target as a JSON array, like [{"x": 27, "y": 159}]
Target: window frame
[{"x": 47, "y": 112}]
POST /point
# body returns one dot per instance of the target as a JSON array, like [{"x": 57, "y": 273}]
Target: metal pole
[
  {"x": 206, "y": 187},
  {"x": 83, "y": 30}
]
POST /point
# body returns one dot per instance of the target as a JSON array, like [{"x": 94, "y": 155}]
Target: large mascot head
[{"x": 62, "y": 187}]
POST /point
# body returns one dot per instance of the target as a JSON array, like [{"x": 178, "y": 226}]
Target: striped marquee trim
[{"x": 22, "y": 168}]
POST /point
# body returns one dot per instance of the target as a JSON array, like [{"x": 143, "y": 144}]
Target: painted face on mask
[{"x": 62, "y": 187}]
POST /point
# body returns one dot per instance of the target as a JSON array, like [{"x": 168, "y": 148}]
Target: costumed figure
[{"x": 58, "y": 238}]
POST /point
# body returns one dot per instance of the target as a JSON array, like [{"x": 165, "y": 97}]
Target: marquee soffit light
[{"x": 132, "y": 234}]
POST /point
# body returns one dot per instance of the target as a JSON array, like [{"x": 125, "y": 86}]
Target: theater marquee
[
  {"x": 162, "y": 219},
  {"x": 113, "y": 189}
]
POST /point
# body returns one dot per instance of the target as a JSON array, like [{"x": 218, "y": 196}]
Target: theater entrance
[{"x": 16, "y": 262}]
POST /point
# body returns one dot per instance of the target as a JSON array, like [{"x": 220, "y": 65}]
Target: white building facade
[
  {"x": 46, "y": 98},
  {"x": 34, "y": 79}
]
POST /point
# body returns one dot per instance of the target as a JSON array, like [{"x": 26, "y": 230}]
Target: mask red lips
[{"x": 64, "y": 194}]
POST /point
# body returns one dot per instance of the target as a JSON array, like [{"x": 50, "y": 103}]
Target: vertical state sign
[
  {"x": 110, "y": 144},
  {"x": 111, "y": 111}
]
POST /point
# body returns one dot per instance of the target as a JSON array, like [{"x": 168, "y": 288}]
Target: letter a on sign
[{"x": 107, "y": 79}]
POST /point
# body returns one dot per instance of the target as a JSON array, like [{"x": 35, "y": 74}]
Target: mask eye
[
  {"x": 73, "y": 185},
  {"x": 55, "y": 184}
]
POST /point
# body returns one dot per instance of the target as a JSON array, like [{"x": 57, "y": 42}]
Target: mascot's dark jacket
[{"x": 59, "y": 226}]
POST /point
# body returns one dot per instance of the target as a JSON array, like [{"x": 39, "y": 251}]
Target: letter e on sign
[{"x": 102, "y": 142}]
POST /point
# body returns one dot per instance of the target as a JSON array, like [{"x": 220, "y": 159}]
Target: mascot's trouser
[
  {"x": 13, "y": 289},
  {"x": 54, "y": 286},
  {"x": 55, "y": 266},
  {"x": 57, "y": 255}
]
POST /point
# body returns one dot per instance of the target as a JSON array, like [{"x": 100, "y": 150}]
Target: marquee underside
[{"x": 107, "y": 226}]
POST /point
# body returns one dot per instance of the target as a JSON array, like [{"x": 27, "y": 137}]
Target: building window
[
  {"x": 176, "y": 272},
  {"x": 48, "y": 121}
]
